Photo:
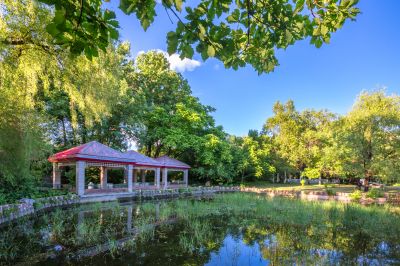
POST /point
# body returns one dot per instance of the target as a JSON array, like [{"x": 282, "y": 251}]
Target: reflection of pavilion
[
  {"x": 95, "y": 154},
  {"x": 131, "y": 231}
]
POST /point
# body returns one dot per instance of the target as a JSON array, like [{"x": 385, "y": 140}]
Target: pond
[{"x": 227, "y": 229}]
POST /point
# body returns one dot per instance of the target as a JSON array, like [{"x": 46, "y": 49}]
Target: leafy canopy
[{"x": 237, "y": 32}]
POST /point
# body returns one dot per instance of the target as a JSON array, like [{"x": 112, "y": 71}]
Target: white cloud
[
  {"x": 182, "y": 65},
  {"x": 178, "y": 64}
]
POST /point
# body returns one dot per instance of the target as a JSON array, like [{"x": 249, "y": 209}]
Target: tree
[
  {"x": 235, "y": 32},
  {"x": 370, "y": 135},
  {"x": 300, "y": 140},
  {"x": 168, "y": 115},
  {"x": 257, "y": 148},
  {"x": 286, "y": 129},
  {"x": 316, "y": 138},
  {"x": 50, "y": 100},
  {"x": 173, "y": 122}
]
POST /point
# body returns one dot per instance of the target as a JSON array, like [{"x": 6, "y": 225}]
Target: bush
[
  {"x": 330, "y": 192},
  {"x": 375, "y": 193},
  {"x": 14, "y": 194},
  {"x": 302, "y": 182},
  {"x": 356, "y": 195}
]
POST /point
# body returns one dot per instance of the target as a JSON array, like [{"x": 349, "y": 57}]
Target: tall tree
[
  {"x": 169, "y": 116},
  {"x": 286, "y": 129},
  {"x": 370, "y": 135}
]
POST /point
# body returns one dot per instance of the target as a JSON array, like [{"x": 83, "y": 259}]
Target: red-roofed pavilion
[{"x": 95, "y": 154}]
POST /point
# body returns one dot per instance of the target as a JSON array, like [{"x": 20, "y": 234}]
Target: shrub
[
  {"x": 375, "y": 193},
  {"x": 302, "y": 182},
  {"x": 330, "y": 192},
  {"x": 356, "y": 195}
]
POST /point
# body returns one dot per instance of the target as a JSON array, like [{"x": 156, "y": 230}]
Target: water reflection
[
  {"x": 227, "y": 230},
  {"x": 235, "y": 252}
]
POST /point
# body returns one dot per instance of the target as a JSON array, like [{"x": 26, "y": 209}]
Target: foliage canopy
[{"x": 236, "y": 32}]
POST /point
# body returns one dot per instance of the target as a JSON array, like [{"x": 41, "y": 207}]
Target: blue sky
[{"x": 363, "y": 55}]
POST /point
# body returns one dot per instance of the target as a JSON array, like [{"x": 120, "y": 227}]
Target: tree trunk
[
  {"x": 64, "y": 131},
  {"x": 284, "y": 181},
  {"x": 366, "y": 183}
]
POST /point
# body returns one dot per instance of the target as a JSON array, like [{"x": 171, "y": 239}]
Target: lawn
[{"x": 312, "y": 188}]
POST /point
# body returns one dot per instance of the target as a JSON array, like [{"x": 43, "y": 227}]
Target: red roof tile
[
  {"x": 141, "y": 159},
  {"x": 91, "y": 151},
  {"x": 169, "y": 162}
]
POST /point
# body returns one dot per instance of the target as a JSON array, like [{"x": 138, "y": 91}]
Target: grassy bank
[{"x": 345, "y": 188}]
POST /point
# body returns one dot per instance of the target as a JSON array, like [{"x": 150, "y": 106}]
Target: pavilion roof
[
  {"x": 169, "y": 162},
  {"x": 91, "y": 151},
  {"x": 141, "y": 159}
]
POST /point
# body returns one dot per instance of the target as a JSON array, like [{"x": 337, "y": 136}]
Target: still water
[{"x": 229, "y": 229}]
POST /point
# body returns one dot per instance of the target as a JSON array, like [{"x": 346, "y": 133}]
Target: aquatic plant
[
  {"x": 330, "y": 192},
  {"x": 285, "y": 231},
  {"x": 356, "y": 195},
  {"x": 375, "y": 193}
]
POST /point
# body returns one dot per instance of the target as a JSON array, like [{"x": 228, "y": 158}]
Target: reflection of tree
[{"x": 285, "y": 232}]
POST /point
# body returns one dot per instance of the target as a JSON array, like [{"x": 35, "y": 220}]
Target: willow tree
[
  {"x": 34, "y": 70},
  {"x": 236, "y": 32}
]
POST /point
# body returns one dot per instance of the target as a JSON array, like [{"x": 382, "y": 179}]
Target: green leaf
[
  {"x": 77, "y": 47},
  {"x": 145, "y": 23},
  {"x": 172, "y": 40},
  {"x": 59, "y": 16},
  {"x": 52, "y": 29},
  {"x": 231, "y": 19},
  {"x": 113, "y": 33},
  {"x": 202, "y": 29},
  {"x": 108, "y": 15},
  {"x": 324, "y": 29},
  {"x": 188, "y": 51},
  {"x": 210, "y": 51},
  {"x": 299, "y": 6},
  {"x": 178, "y": 5},
  {"x": 113, "y": 23}
]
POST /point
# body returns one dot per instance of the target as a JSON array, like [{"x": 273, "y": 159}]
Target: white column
[
  {"x": 158, "y": 170},
  {"x": 56, "y": 176},
  {"x": 165, "y": 177},
  {"x": 186, "y": 177},
  {"x": 80, "y": 177},
  {"x": 103, "y": 177},
  {"x": 129, "y": 170}
]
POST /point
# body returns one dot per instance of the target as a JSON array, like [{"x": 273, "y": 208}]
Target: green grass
[{"x": 342, "y": 188}]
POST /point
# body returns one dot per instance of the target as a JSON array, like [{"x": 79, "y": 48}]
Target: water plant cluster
[{"x": 199, "y": 230}]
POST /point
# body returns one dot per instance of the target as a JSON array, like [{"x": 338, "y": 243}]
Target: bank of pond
[{"x": 222, "y": 229}]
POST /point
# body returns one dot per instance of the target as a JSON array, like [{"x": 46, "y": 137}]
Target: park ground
[{"x": 341, "y": 188}]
